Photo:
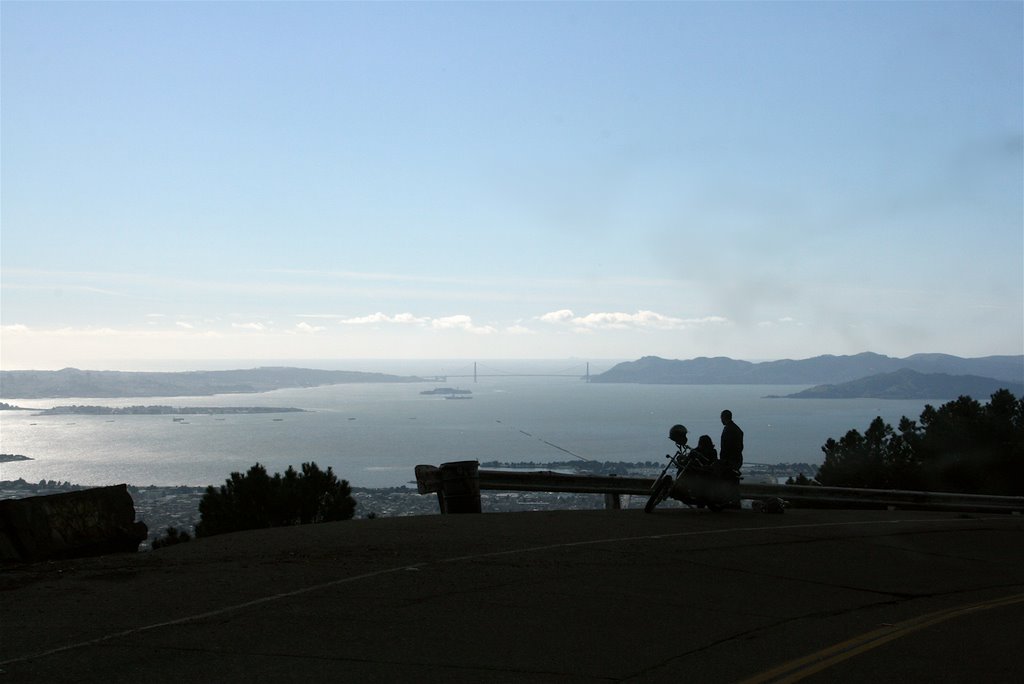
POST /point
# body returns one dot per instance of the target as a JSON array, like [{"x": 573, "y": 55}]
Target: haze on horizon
[{"x": 332, "y": 180}]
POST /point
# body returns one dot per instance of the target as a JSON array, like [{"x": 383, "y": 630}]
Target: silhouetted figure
[
  {"x": 704, "y": 455},
  {"x": 732, "y": 444}
]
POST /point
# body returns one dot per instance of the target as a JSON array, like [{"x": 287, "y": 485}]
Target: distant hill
[
  {"x": 814, "y": 371},
  {"x": 909, "y": 384},
  {"x": 71, "y": 382}
]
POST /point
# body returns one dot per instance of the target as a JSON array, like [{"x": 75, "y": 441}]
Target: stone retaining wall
[{"x": 88, "y": 522}]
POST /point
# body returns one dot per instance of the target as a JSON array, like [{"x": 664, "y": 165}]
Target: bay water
[{"x": 374, "y": 435}]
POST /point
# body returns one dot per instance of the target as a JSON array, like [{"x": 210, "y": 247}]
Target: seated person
[{"x": 704, "y": 456}]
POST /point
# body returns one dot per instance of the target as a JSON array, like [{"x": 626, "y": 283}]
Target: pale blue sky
[{"x": 525, "y": 180}]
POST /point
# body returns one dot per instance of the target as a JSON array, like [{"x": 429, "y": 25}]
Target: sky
[{"x": 287, "y": 180}]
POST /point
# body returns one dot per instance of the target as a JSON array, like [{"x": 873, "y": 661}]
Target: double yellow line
[{"x": 795, "y": 670}]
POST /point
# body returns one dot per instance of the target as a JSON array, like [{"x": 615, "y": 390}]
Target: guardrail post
[
  {"x": 460, "y": 487},
  {"x": 612, "y": 502}
]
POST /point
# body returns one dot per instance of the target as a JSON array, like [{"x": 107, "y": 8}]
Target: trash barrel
[{"x": 460, "y": 487}]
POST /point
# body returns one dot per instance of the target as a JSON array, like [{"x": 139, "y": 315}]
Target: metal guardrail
[
  {"x": 454, "y": 488},
  {"x": 811, "y": 496},
  {"x": 547, "y": 481}
]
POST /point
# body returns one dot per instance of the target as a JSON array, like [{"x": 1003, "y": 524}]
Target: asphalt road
[{"x": 564, "y": 596}]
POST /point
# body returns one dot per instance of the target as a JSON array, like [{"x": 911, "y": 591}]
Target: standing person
[{"x": 732, "y": 443}]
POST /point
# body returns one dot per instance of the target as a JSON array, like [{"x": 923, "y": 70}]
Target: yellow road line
[{"x": 798, "y": 669}]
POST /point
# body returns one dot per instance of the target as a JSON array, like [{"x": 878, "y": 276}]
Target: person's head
[
  {"x": 704, "y": 443},
  {"x": 726, "y": 416}
]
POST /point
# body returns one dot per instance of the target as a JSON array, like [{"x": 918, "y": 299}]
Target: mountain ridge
[
  {"x": 817, "y": 370},
  {"x": 911, "y": 384}
]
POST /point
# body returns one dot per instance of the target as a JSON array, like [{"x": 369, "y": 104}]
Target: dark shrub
[
  {"x": 173, "y": 537},
  {"x": 255, "y": 500}
]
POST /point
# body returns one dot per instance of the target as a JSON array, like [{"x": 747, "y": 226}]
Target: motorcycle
[{"x": 701, "y": 480}]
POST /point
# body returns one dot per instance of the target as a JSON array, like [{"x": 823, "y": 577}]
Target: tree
[
  {"x": 970, "y": 447},
  {"x": 963, "y": 446},
  {"x": 256, "y": 500},
  {"x": 858, "y": 460}
]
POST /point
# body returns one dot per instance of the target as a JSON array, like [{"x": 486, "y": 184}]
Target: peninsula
[
  {"x": 71, "y": 382},
  {"x": 909, "y": 384}
]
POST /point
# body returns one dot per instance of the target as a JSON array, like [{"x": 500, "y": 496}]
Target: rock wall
[{"x": 88, "y": 522}]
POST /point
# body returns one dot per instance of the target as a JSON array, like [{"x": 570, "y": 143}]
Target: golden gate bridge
[{"x": 581, "y": 371}]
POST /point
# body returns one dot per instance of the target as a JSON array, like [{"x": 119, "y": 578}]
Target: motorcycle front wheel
[{"x": 659, "y": 492}]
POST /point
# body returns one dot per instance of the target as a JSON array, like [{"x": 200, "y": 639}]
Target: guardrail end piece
[{"x": 428, "y": 479}]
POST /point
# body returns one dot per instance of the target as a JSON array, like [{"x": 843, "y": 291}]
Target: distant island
[
  {"x": 1006, "y": 371},
  {"x": 162, "y": 410},
  {"x": 11, "y": 458},
  {"x": 447, "y": 390},
  {"x": 909, "y": 384},
  {"x": 71, "y": 382}
]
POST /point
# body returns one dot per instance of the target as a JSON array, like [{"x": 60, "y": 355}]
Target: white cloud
[
  {"x": 379, "y": 317},
  {"x": 706, "y": 320},
  {"x": 457, "y": 322},
  {"x": 87, "y": 332},
  {"x": 304, "y": 327},
  {"x": 461, "y": 322},
  {"x": 367, "y": 320},
  {"x": 561, "y": 316},
  {"x": 258, "y": 327},
  {"x": 409, "y": 319},
  {"x": 90, "y": 332},
  {"x": 622, "y": 321},
  {"x": 785, "y": 320},
  {"x": 617, "y": 320}
]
